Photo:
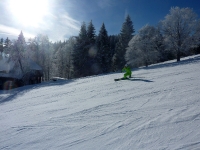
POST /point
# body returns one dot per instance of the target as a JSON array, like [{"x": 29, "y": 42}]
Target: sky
[
  {"x": 60, "y": 19},
  {"x": 157, "y": 109}
]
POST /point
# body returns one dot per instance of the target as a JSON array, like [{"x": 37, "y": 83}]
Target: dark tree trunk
[
  {"x": 21, "y": 66},
  {"x": 178, "y": 55},
  {"x": 146, "y": 63}
]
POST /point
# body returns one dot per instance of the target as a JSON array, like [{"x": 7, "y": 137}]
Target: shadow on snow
[
  {"x": 140, "y": 79},
  {"x": 13, "y": 93}
]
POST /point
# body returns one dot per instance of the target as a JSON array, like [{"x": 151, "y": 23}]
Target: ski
[{"x": 121, "y": 79}]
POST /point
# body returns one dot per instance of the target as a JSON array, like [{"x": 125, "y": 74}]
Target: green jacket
[{"x": 127, "y": 70}]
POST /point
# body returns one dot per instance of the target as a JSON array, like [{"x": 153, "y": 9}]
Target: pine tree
[
  {"x": 113, "y": 40},
  {"x": 7, "y": 42},
  {"x": 84, "y": 51},
  {"x": 21, "y": 39},
  {"x": 82, "y": 34},
  {"x": 7, "y": 46},
  {"x": 92, "y": 51},
  {"x": 80, "y": 53},
  {"x": 104, "y": 53},
  {"x": 91, "y": 33},
  {"x": 124, "y": 38},
  {"x": 1, "y": 45}
]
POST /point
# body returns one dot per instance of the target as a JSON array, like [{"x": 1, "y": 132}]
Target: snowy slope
[{"x": 159, "y": 109}]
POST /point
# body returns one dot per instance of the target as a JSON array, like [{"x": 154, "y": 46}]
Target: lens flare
[
  {"x": 8, "y": 85},
  {"x": 92, "y": 52}
]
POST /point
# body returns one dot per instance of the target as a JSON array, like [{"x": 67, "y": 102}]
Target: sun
[{"x": 29, "y": 12}]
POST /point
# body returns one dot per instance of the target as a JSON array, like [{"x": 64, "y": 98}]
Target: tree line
[{"x": 88, "y": 54}]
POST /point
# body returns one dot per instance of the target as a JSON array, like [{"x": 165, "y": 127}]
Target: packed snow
[{"x": 157, "y": 109}]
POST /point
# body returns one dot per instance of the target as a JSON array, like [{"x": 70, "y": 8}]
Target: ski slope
[{"x": 158, "y": 109}]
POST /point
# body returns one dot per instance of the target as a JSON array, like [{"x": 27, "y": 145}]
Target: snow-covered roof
[
  {"x": 8, "y": 67},
  {"x": 5, "y": 64},
  {"x": 33, "y": 65}
]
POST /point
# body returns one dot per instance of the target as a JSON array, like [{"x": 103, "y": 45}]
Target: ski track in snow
[{"x": 158, "y": 109}]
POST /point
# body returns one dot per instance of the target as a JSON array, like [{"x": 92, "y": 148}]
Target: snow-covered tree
[
  {"x": 31, "y": 49},
  {"x": 196, "y": 35},
  {"x": 63, "y": 59},
  {"x": 18, "y": 53},
  {"x": 69, "y": 46},
  {"x": 43, "y": 53},
  {"x": 179, "y": 27},
  {"x": 124, "y": 38},
  {"x": 143, "y": 48},
  {"x": 60, "y": 61}
]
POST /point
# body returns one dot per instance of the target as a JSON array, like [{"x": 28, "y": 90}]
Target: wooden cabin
[{"x": 12, "y": 76}]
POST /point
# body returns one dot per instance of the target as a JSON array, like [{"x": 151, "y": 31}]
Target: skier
[{"x": 127, "y": 71}]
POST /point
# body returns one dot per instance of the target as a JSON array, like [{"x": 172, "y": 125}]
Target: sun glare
[{"x": 29, "y": 12}]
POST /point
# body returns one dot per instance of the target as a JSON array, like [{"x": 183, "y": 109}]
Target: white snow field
[{"x": 158, "y": 109}]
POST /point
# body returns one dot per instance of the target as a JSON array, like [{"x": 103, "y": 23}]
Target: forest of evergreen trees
[{"x": 90, "y": 54}]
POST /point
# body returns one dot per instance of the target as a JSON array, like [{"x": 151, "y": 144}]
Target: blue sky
[{"x": 60, "y": 19}]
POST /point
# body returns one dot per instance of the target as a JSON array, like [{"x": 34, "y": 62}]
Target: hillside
[{"x": 158, "y": 109}]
